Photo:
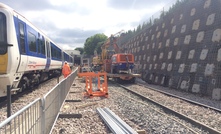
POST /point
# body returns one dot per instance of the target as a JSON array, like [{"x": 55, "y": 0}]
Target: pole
[
  {"x": 58, "y": 79},
  {"x": 8, "y": 101}
]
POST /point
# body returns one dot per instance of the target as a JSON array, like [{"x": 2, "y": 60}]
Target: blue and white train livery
[{"x": 27, "y": 56}]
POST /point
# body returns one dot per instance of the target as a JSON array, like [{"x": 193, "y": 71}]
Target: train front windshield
[{"x": 3, "y": 37}]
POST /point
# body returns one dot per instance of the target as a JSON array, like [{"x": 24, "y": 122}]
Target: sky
[{"x": 70, "y": 22}]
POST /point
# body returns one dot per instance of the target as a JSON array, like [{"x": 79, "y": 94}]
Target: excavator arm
[{"x": 111, "y": 41}]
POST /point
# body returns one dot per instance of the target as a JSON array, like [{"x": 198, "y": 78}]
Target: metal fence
[{"x": 40, "y": 115}]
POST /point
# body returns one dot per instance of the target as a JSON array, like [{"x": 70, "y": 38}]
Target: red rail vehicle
[{"x": 118, "y": 65}]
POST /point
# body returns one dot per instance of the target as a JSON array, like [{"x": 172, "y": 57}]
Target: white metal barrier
[
  {"x": 26, "y": 120},
  {"x": 39, "y": 116},
  {"x": 54, "y": 100}
]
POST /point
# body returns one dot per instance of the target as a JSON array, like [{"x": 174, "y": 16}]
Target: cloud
[
  {"x": 133, "y": 4},
  {"x": 28, "y": 5},
  {"x": 64, "y": 35},
  {"x": 73, "y": 35},
  {"x": 70, "y": 22},
  {"x": 43, "y": 5}
]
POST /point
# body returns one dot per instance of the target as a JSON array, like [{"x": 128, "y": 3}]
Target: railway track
[
  {"x": 182, "y": 98},
  {"x": 176, "y": 112},
  {"x": 138, "y": 113}
]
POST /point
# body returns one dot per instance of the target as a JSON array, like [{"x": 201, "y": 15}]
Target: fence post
[
  {"x": 58, "y": 79},
  {"x": 8, "y": 101},
  {"x": 43, "y": 130}
]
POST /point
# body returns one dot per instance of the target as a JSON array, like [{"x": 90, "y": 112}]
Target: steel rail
[
  {"x": 184, "y": 117},
  {"x": 115, "y": 123},
  {"x": 179, "y": 97},
  {"x": 110, "y": 123},
  {"x": 119, "y": 121}
]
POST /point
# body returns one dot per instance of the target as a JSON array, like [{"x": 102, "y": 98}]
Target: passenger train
[{"x": 27, "y": 55}]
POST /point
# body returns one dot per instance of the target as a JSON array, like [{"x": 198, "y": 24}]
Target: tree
[
  {"x": 144, "y": 25},
  {"x": 92, "y": 43},
  {"x": 138, "y": 28},
  {"x": 98, "y": 47},
  {"x": 80, "y": 49}
]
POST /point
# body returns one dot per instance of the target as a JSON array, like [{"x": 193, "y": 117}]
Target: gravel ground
[
  {"x": 24, "y": 100},
  {"x": 201, "y": 114},
  {"x": 137, "y": 115},
  {"x": 195, "y": 97}
]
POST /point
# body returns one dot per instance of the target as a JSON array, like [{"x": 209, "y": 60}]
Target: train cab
[{"x": 122, "y": 63}]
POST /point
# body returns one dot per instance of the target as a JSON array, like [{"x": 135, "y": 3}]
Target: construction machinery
[{"x": 117, "y": 65}]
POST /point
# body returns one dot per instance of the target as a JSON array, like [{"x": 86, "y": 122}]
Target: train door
[
  {"x": 22, "y": 37},
  {"x": 48, "y": 55}
]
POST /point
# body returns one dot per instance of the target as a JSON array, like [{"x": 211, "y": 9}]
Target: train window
[
  {"x": 2, "y": 27},
  {"x": 52, "y": 52},
  {"x": 32, "y": 42},
  {"x": 56, "y": 53},
  {"x": 114, "y": 59},
  {"x": 22, "y": 38},
  {"x": 48, "y": 49},
  {"x": 59, "y": 55},
  {"x": 3, "y": 37},
  {"x": 41, "y": 46}
]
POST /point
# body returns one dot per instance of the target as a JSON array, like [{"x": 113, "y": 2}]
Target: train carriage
[{"x": 27, "y": 55}]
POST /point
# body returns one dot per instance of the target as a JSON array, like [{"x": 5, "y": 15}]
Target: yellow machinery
[
  {"x": 117, "y": 65},
  {"x": 102, "y": 63},
  {"x": 97, "y": 60}
]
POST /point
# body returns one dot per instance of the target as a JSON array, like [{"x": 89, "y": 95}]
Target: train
[
  {"x": 27, "y": 55},
  {"x": 122, "y": 63}
]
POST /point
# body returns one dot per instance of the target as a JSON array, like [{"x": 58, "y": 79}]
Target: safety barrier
[
  {"x": 101, "y": 87},
  {"x": 39, "y": 116},
  {"x": 26, "y": 120},
  {"x": 53, "y": 101}
]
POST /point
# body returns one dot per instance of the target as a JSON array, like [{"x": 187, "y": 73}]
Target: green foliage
[
  {"x": 98, "y": 47},
  {"x": 93, "y": 43},
  {"x": 163, "y": 14},
  {"x": 138, "y": 28},
  {"x": 80, "y": 49}
]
